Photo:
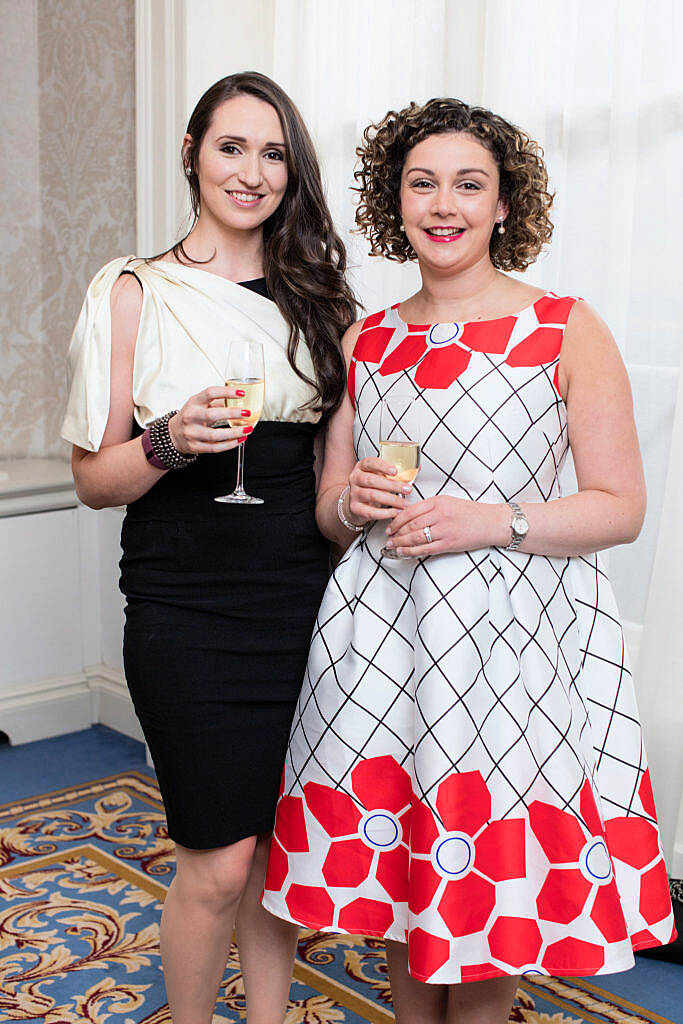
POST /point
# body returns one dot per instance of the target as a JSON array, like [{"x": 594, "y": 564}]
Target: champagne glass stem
[{"x": 239, "y": 486}]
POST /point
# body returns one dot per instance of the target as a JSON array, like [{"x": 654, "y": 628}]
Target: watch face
[{"x": 520, "y": 525}]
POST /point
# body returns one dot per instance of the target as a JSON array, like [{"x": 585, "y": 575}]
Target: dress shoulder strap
[
  {"x": 370, "y": 345},
  {"x": 555, "y": 309}
]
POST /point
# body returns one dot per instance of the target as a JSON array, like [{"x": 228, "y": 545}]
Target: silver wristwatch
[{"x": 519, "y": 527}]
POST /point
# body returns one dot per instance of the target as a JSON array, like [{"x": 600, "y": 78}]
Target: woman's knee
[{"x": 215, "y": 877}]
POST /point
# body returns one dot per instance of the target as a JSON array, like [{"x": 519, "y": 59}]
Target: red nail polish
[
  {"x": 247, "y": 430},
  {"x": 246, "y": 412},
  {"x": 240, "y": 394}
]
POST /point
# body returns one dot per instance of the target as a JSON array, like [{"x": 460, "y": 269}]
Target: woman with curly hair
[
  {"x": 465, "y": 775},
  {"x": 220, "y": 599}
]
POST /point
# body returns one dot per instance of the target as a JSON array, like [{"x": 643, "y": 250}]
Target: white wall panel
[
  {"x": 40, "y": 627},
  {"x": 183, "y": 47}
]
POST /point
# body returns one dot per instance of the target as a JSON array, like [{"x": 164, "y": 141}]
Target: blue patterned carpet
[{"x": 84, "y": 867}]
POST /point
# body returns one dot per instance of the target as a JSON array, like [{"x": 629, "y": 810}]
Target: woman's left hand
[{"x": 455, "y": 524}]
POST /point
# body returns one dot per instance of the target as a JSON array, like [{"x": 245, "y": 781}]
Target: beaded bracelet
[
  {"x": 159, "y": 448},
  {"x": 149, "y": 451},
  {"x": 340, "y": 512}
]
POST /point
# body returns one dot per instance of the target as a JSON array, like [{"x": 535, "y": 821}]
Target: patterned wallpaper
[
  {"x": 71, "y": 190},
  {"x": 21, "y": 370}
]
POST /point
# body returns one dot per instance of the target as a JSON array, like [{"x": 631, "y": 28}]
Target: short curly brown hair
[{"x": 523, "y": 178}]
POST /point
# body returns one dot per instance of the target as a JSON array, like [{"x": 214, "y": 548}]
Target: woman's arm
[
  {"x": 119, "y": 472},
  {"x": 610, "y": 504},
  {"x": 370, "y": 489}
]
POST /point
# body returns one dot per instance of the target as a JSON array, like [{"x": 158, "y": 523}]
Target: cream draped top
[{"x": 188, "y": 318}]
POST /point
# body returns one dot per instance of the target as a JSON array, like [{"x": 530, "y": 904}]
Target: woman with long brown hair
[{"x": 221, "y": 598}]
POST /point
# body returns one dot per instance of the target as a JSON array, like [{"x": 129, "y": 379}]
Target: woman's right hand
[
  {"x": 375, "y": 492},
  {"x": 193, "y": 429}
]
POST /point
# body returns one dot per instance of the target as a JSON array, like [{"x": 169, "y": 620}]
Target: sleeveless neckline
[{"x": 463, "y": 323}]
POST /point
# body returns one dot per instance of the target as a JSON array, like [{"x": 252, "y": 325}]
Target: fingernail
[
  {"x": 389, "y": 544},
  {"x": 406, "y": 490},
  {"x": 240, "y": 394},
  {"x": 241, "y": 440},
  {"x": 247, "y": 430},
  {"x": 246, "y": 412}
]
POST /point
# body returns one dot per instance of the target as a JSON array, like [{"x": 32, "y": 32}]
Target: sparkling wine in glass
[
  {"x": 400, "y": 441},
  {"x": 245, "y": 371}
]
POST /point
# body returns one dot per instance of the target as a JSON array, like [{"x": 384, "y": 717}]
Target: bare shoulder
[
  {"x": 126, "y": 293},
  {"x": 583, "y": 318},
  {"x": 350, "y": 337},
  {"x": 126, "y": 307},
  {"x": 519, "y": 295},
  {"x": 590, "y": 355},
  {"x": 587, "y": 335},
  {"x": 511, "y": 297}
]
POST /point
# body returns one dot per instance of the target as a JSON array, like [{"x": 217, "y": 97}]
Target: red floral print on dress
[
  {"x": 367, "y": 836},
  {"x": 289, "y": 835},
  {"x": 311, "y": 905},
  {"x": 635, "y": 841},
  {"x": 447, "y": 349},
  {"x": 553, "y": 309},
  {"x": 426, "y": 953},
  {"x": 466, "y": 849},
  {"x": 541, "y": 346},
  {"x": 442, "y": 352},
  {"x": 568, "y": 955},
  {"x": 515, "y": 941},
  {"x": 370, "y": 346},
  {"x": 581, "y": 871},
  {"x": 544, "y": 344},
  {"x": 383, "y": 789}
]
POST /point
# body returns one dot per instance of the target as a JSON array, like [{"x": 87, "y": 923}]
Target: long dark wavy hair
[{"x": 304, "y": 257}]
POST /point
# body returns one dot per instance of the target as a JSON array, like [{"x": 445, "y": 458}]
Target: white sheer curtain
[{"x": 598, "y": 85}]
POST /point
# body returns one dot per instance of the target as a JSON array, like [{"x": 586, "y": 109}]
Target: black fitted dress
[{"x": 221, "y": 602}]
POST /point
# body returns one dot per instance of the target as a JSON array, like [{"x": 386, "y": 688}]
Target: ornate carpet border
[{"x": 140, "y": 785}]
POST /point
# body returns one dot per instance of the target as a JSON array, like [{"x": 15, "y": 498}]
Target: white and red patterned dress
[{"x": 465, "y": 769}]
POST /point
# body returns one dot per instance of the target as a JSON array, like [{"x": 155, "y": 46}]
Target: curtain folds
[{"x": 660, "y": 667}]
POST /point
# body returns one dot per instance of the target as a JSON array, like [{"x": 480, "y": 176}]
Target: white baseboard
[
  {"x": 62, "y": 704},
  {"x": 46, "y": 707}
]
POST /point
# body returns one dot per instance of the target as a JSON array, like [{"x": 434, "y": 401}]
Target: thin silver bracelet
[{"x": 340, "y": 512}]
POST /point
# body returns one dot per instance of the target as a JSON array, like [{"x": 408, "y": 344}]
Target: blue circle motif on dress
[
  {"x": 443, "y": 334},
  {"x": 594, "y": 861},
  {"x": 453, "y": 855},
  {"x": 532, "y": 971},
  {"x": 380, "y": 830}
]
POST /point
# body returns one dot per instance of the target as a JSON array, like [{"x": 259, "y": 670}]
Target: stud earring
[
  {"x": 501, "y": 229},
  {"x": 401, "y": 228},
  {"x": 188, "y": 170}
]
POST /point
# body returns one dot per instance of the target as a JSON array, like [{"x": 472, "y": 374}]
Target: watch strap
[{"x": 516, "y": 538}]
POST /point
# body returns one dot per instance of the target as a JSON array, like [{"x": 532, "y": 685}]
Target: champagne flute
[
  {"x": 400, "y": 441},
  {"x": 245, "y": 371}
]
